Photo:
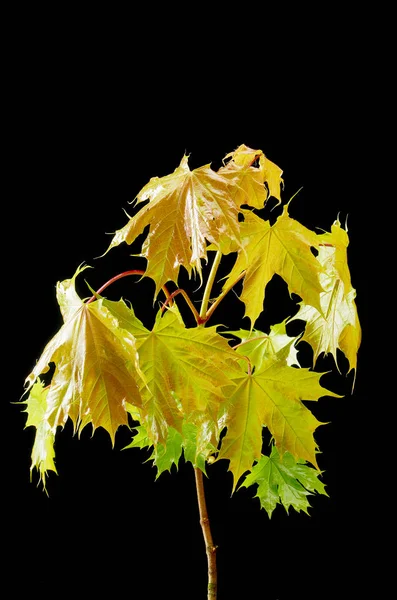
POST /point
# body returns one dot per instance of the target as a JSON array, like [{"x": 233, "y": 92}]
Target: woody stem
[{"x": 206, "y": 529}]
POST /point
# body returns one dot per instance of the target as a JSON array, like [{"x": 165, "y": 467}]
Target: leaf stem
[
  {"x": 223, "y": 294},
  {"x": 208, "y": 287},
  {"x": 206, "y": 529},
  {"x": 254, "y": 339},
  {"x": 199, "y": 320},
  {"x": 249, "y": 372},
  {"x": 120, "y": 276}
]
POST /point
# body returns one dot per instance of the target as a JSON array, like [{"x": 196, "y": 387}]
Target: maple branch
[
  {"x": 223, "y": 294},
  {"x": 206, "y": 529},
  {"x": 120, "y": 276},
  {"x": 208, "y": 287},
  {"x": 194, "y": 310}
]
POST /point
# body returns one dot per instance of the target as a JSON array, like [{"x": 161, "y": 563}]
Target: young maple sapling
[{"x": 205, "y": 392}]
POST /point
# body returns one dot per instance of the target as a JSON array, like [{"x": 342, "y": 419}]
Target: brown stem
[
  {"x": 120, "y": 276},
  {"x": 199, "y": 320},
  {"x": 206, "y": 529}
]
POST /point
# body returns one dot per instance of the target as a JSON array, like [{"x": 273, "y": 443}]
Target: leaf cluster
[{"x": 200, "y": 392}]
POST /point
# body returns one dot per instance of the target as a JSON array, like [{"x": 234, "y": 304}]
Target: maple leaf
[
  {"x": 185, "y": 209},
  {"x": 201, "y": 437},
  {"x": 185, "y": 370},
  {"x": 337, "y": 325},
  {"x": 338, "y": 239},
  {"x": 249, "y": 181},
  {"x": 248, "y": 185},
  {"x": 96, "y": 368},
  {"x": 43, "y": 453},
  {"x": 194, "y": 443},
  {"x": 272, "y": 397},
  {"x": 284, "y": 249},
  {"x": 285, "y": 481},
  {"x": 258, "y": 346},
  {"x": 164, "y": 455}
]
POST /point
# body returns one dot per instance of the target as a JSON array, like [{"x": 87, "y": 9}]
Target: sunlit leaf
[
  {"x": 337, "y": 325},
  {"x": 271, "y": 397},
  {"x": 283, "y": 249},
  {"x": 43, "y": 453},
  {"x": 250, "y": 180},
  {"x": 258, "y": 346},
  {"x": 95, "y": 366},
  {"x": 185, "y": 210},
  {"x": 185, "y": 370},
  {"x": 194, "y": 442},
  {"x": 200, "y": 440}
]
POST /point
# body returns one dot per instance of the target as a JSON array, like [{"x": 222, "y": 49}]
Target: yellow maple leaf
[
  {"x": 284, "y": 249},
  {"x": 272, "y": 397},
  {"x": 96, "y": 366},
  {"x": 337, "y": 325},
  {"x": 43, "y": 452},
  {"x": 250, "y": 180},
  {"x": 185, "y": 209}
]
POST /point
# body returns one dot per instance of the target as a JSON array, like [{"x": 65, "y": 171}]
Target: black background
[{"x": 86, "y": 135}]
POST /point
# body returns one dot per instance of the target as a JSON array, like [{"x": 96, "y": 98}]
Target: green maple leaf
[
  {"x": 258, "y": 346},
  {"x": 186, "y": 371},
  {"x": 96, "y": 366},
  {"x": 168, "y": 454},
  {"x": 271, "y": 397},
  {"x": 185, "y": 209},
  {"x": 165, "y": 454},
  {"x": 337, "y": 325},
  {"x": 284, "y": 249},
  {"x": 284, "y": 481},
  {"x": 200, "y": 440},
  {"x": 195, "y": 443}
]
